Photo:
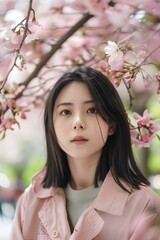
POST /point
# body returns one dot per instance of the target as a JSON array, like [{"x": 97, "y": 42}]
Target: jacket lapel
[
  {"x": 111, "y": 198},
  {"x": 88, "y": 226}
]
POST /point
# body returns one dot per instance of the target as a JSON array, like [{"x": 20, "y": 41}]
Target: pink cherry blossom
[
  {"x": 144, "y": 130},
  {"x": 145, "y": 119},
  {"x": 9, "y": 35},
  {"x": 141, "y": 55},
  {"x": 6, "y": 123},
  {"x": 135, "y": 57},
  {"x": 115, "y": 60},
  {"x": 23, "y": 115},
  {"x": 34, "y": 29},
  {"x": 17, "y": 108},
  {"x": 31, "y": 37},
  {"x": 112, "y": 49},
  {"x": 137, "y": 139},
  {"x": 140, "y": 137}
]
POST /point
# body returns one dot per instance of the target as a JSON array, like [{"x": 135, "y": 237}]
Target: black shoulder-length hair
[{"x": 117, "y": 154}]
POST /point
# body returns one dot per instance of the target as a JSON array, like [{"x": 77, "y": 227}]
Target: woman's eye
[
  {"x": 92, "y": 110},
  {"x": 65, "y": 112}
]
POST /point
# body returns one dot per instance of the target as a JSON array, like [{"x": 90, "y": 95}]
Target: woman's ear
[{"x": 112, "y": 128}]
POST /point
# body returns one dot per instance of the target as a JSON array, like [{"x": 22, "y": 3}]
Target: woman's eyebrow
[
  {"x": 64, "y": 104},
  {"x": 70, "y": 103},
  {"x": 88, "y": 101}
]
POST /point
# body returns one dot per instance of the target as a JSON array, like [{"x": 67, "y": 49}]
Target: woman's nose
[{"x": 79, "y": 123}]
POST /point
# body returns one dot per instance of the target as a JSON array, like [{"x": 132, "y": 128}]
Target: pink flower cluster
[
  {"x": 127, "y": 75},
  {"x": 16, "y": 108},
  {"x": 144, "y": 129},
  {"x": 125, "y": 62},
  {"x": 124, "y": 65}
]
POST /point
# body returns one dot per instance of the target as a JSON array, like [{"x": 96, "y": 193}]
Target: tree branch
[{"x": 54, "y": 49}]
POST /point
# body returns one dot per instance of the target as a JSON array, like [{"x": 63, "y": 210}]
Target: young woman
[{"x": 91, "y": 187}]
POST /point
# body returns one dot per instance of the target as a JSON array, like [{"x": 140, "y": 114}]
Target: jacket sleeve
[
  {"x": 16, "y": 229},
  {"x": 148, "y": 226}
]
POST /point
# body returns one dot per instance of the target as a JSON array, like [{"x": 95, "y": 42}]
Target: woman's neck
[{"x": 82, "y": 172}]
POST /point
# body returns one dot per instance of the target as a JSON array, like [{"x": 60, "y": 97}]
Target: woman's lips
[{"x": 79, "y": 140}]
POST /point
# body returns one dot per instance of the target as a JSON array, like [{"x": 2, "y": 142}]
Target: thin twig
[
  {"x": 131, "y": 98},
  {"x": 20, "y": 46}
]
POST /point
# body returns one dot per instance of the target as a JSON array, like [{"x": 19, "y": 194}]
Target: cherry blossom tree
[{"x": 42, "y": 39}]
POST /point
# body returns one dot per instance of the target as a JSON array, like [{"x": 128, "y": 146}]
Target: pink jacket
[{"x": 114, "y": 215}]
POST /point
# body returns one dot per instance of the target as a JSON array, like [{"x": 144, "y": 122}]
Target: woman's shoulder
[
  {"x": 36, "y": 190},
  {"x": 147, "y": 197}
]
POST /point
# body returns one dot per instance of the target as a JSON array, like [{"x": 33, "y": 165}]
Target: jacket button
[{"x": 55, "y": 234}]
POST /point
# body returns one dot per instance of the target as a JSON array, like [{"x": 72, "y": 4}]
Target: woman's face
[{"x": 80, "y": 130}]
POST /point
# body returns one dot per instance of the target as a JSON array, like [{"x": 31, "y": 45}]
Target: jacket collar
[{"x": 111, "y": 197}]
